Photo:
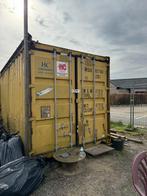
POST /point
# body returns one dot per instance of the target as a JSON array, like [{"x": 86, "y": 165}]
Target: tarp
[
  {"x": 21, "y": 176},
  {"x": 10, "y": 149}
]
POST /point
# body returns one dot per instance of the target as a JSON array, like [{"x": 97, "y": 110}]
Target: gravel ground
[{"x": 106, "y": 175}]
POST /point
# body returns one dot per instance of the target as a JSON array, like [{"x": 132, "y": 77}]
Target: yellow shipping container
[{"x": 69, "y": 97}]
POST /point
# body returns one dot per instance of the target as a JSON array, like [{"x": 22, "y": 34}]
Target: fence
[
  {"x": 124, "y": 99},
  {"x": 130, "y": 109}
]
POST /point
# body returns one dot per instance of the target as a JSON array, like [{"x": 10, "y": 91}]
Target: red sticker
[{"x": 62, "y": 69}]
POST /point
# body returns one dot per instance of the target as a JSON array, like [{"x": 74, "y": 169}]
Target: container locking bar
[
  {"x": 82, "y": 101},
  {"x": 70, "y": 97},
  {"x": 55, "y": 101},
  {"x": 94, "y": 103}
]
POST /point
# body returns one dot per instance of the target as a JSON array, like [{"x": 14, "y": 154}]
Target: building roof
[{"x": 136, "y": 83}]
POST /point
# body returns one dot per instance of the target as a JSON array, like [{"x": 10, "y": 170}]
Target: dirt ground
[{"x": 105, "y": 175}]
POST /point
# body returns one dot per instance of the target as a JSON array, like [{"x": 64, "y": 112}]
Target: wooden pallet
[{"x": 98, "y": 149}]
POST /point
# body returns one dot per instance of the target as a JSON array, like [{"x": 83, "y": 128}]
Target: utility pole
[{"x": 26, "y": 79}]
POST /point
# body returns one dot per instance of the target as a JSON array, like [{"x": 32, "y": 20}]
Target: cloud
[
  {"x": 47, "y": 1},
  {"x": 67, "y": 17},
  {"x": 75, "y": 42},
  {"x": 41, "y": 21},
  {"x": 110, "y": 28}
]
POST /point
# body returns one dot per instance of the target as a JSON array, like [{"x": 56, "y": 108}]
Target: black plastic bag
[
  {"x": 11, "y": 149},
  {"x": 3, "y": 133},
  {"x": 21, "y": 177}
]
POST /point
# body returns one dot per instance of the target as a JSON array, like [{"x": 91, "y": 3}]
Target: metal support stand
[{"x": 132, "y": 109}]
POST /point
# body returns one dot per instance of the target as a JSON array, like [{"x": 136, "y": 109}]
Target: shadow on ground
[{"x": 106, "y": 175}]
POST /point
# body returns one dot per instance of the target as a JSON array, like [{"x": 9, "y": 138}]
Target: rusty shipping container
[{"x": 69, "y": 97}]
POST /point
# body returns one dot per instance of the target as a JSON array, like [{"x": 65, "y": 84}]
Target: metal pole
[
  {"x": 130, "y": 108},
  {"x": 26, "y": 78},
  {"x": 133, "y": 109}
]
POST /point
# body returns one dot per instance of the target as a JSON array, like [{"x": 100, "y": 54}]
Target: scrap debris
[{"x": 114, "y": 134}]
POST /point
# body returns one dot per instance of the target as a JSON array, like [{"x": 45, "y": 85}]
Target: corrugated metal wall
[
  {"x": 12, "y": 96},
  {"x": 92, "y": 114},
  {"x": 69, "y": 97},
  {"x": 45, "y": 136}
]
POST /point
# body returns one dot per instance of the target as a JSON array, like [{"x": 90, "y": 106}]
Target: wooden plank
[
  {"x": 98, "y": 150},
  {"x": 126, "y": 138}
]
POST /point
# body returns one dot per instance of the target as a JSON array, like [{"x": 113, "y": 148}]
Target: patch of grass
[
  {"x": 119, "y": 126},
  {"x": 122, "y": 128}
]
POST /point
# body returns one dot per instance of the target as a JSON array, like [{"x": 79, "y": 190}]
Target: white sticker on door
[
  {"x": 44, "y": 91},
  {"x": 62, "y": 69}
]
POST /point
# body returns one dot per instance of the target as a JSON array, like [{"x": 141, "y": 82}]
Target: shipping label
[
  {"x": 43, "y": 66},
  {"x": 45, "y": 112}
]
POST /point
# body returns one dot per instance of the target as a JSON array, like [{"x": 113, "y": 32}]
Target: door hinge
[
  {"x": 31, "y": 86},
  {"x": 32, "y": 119}
]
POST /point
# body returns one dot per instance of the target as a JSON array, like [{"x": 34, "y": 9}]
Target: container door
[
  {"x": 92, "y": 100},
  {"x": 53, "y": 106}
]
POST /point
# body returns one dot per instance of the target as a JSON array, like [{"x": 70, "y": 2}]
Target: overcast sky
[{"x": 115, "y": 28}]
